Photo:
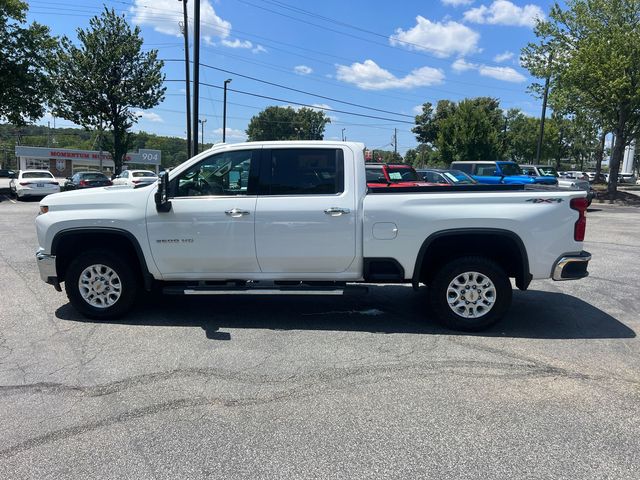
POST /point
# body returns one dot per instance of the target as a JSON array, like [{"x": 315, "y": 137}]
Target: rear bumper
[
  {"x": 571, "y": 266},
  {"x": 47, "y": 268}
]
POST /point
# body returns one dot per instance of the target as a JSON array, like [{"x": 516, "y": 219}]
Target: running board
[{"x": 270, "y": 290}]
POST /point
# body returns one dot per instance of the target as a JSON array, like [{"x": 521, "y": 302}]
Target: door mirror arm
[{"x": 163, "y": 204}]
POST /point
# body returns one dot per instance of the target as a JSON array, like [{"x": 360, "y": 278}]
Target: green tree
[
  {"x": 285, "y": 123},
  {"x": 106, "y": 79},
  {"x": 472, "y": 132},
  {"x": 421, "y": 156},
  {"x": 27, "y": 55},
  {"x": 311, "y": 123},
  {"x": 596, "y": 60},
  {"x": 522, "y": 137}
]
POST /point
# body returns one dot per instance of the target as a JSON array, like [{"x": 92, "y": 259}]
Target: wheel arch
[
  {"x": 68, "y": 243},
  {"x": 503, "y": 246}
]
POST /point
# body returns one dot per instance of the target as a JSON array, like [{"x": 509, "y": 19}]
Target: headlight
[{"x": 43, "y": 209}]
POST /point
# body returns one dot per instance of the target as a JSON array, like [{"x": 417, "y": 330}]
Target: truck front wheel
[
  {"x": 470, "y": 293},
  {"x": 101, "y": 285}
]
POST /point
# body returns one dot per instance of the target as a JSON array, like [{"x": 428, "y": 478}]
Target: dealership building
[{"x": 64, "y": 162}]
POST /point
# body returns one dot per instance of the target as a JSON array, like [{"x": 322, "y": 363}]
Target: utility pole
[
  {"x": 544, "y": 109},
  {"x": 224, "y": 111},
  {"x": 395, "y": 142},
  {"x": 185, "y": 32},
  {"x": 202, "y": 122},
  {"x": 196, "y": 72},
  {"x": 343, "y": 134}
]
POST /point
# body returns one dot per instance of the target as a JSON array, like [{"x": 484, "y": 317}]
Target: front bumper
[
  {"x": 47, "y": 268},
  {"x": 571, "y": 266}
]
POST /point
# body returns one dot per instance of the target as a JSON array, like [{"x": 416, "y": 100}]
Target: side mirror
[{"x": 163, "y": 204}]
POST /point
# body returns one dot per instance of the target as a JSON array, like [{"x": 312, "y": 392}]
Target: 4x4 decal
[{"x": 545, "y": 200}]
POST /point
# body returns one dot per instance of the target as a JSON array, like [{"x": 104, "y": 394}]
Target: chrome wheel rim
[
  {"x": 471, "y": 295},
  {"x": 100, "y": 286}
]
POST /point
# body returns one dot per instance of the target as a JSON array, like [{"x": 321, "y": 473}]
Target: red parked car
[{"x": 395, "y": 175}]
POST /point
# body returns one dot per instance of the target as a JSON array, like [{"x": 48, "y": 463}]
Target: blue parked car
[{"x": 504, "y": 172}]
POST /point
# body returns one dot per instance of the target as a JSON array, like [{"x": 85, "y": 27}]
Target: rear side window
[
  {"x": 464, "y": 167},
  {"x": 485, "y": 170},
  {"x": 144, "y": 174},
  {"x": 303, "y": 171},
  {"x": 375, "y": 175}
]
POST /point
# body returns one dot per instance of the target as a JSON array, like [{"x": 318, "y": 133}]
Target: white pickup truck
[{"x": 297, "y": 218}]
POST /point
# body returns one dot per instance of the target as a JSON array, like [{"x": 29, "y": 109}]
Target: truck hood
[{"x": 99, "y": 197}]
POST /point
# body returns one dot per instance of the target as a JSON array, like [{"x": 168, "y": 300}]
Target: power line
[
  {"x": 242, "y": 92},
  {"x": 295, "y": 89}
]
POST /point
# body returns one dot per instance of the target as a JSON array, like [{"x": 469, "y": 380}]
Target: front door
[
  {"x": 209, "y": 231},
  {"x": 306, "y": 212}
]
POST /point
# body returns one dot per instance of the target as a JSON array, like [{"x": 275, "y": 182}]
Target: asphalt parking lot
[{"x": 354, "y": 388}]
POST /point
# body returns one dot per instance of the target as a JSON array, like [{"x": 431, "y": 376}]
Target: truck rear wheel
[
  {"x": 101, "y": 285},
  {"x": 470, "y": 293}
]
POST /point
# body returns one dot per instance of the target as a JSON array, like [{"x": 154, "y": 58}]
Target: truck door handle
[
  {"x": 336, "y": 211},
  {"x": 236, "y": 212}
]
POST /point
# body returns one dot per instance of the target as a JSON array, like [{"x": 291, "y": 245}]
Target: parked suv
[
  {"x": 505, "y": 172},
  {"x": 564, "y": 183}
]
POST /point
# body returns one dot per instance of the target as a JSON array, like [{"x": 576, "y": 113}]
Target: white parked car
[
  {"x": 135, "y": 178},
  {"x": 33, "y": 183}
]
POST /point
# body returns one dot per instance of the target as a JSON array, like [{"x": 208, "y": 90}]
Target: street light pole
[
  {"x": 224, "y": 111},
  {"x": 343, "y": 134},
  {"x": 202, "y": 122}
]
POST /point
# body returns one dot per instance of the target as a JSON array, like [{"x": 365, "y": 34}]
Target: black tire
[
  {"x": 129, "y": 284},
  {"x": 499, "y": 296}
]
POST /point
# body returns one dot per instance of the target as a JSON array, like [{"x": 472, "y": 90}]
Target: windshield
[
  {"x": 510, "y": 169},
  {"x": 402, "y": 174},
  {"x": 93, "y": 176},
  {"x": 144, "y": 174},
  {"x": 547, "y": 171},
  {"x": 37, "y": 175},
  {"x": 459, "y": 178}
]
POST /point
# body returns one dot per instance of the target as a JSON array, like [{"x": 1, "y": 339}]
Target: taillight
[
  {"x": 579, "y": 204},
  {"x": 83, "y": 183},
  {"x": 109, "y": 182},
  {"x": 136, "y": 181},
  {"x": 25, "y": 183}
]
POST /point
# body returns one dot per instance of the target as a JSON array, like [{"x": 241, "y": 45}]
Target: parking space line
[{"x": 5, "y": 197}]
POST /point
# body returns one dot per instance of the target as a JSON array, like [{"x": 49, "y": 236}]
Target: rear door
[{"x": 305, "y": 214}]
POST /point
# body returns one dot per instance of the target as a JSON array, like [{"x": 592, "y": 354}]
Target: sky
[{"x": 379, "y": 60}]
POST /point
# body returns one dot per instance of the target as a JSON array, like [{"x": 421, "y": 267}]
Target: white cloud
[
  {"x": 417, "y": 109},
  {"x": 457, "y": 3},
  {"x": 506, "y": 74},
  {"x": 503, "y": 12},
  {"x": 302, "y": 70},
  {"x": 369, "y": 76},
  {"x": 237, "y": 43},
  {"x": 259, "y": 49},
  {"x": 461, "y": 65},
  {"x": 150, "y": 116},
  {"x": 164, "y": 16},
  {"x": 231, "y": 133},
  {"x": 441, "y": 39},
  {"x": 503, "y": 57}
]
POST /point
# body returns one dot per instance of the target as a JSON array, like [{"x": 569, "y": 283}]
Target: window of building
[{"x": 37, "y": 163}]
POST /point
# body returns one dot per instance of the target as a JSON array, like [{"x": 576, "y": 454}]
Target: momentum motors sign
[{"x": 142, "y": 157}]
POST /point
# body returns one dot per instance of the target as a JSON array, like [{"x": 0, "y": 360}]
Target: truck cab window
[
  {"x": 222, "y": 174},
  {"x": 305, "y": 171}
]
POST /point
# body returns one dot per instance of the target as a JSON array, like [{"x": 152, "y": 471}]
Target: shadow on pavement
[{"x": 386, "y": 309}]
